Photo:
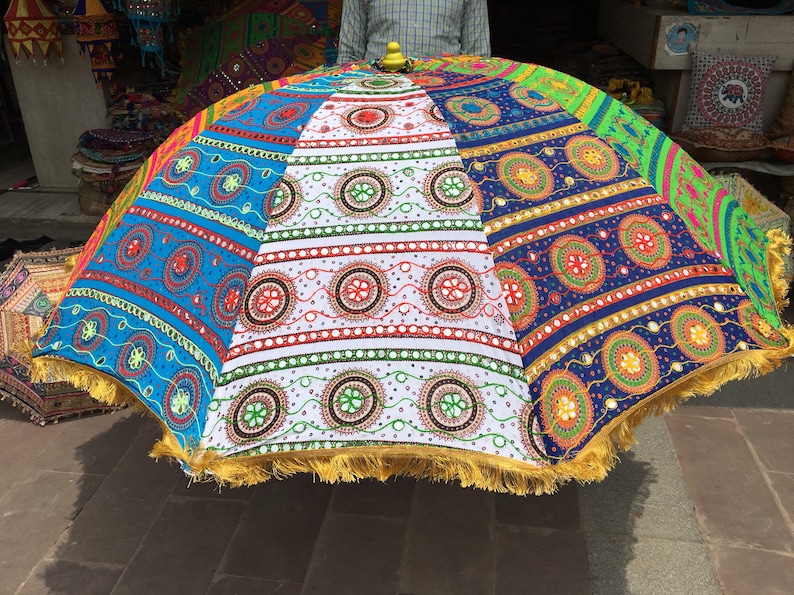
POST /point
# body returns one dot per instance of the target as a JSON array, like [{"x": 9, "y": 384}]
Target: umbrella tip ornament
[{"x": 393, "y": 61}]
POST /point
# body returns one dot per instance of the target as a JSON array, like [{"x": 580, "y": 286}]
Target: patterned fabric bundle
[
  {"x": 481, "y": 270},
  {"x": 29, "y": 288},
  {"x": 31, "y": 24},
  {"x": 97, "y": 32},
  {"x": 222, "y": 42}
]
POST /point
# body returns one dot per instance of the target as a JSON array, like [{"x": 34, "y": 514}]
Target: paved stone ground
[{"x": 703, "y": 504}]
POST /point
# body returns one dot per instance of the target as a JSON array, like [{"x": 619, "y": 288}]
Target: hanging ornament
[
  {"x": 30, "y": 23},
  {"x": 97, "y": 33},
  {"x": 151, "y": 21}
]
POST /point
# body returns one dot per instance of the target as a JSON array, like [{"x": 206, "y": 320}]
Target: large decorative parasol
[{"x": 478, "y": 270}]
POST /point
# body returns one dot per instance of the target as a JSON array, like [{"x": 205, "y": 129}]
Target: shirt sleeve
[
  {"x": 476, "y": 37},
  {"x": 352, "y": 31}
]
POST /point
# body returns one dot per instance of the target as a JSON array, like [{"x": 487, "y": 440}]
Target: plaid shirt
[{"x": 421, "y": 27}]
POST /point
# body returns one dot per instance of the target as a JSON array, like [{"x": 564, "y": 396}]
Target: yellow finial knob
[{"x": 393, "y": 60}]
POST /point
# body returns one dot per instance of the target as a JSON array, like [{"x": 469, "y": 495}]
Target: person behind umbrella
[{"x": 421, "y": 27}]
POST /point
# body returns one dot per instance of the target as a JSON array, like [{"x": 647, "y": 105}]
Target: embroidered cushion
[{"x": 727, "y": 90}]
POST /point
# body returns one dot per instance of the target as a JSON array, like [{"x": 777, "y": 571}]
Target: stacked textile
[{"x": 106, "y": 160}]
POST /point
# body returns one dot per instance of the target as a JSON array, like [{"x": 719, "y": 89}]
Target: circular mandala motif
[
  {"x": 696, "y": 334},
  {"x": 566, "y": 86},
  {"x": 434, "y": 115},
  {"x": 358, "y": 290},
  {"x": 235, "y": 67},
  {"x": 230, "y": 181},
  {"x": 269, "y": 300},
  {"x": 256, "y": 413},
  {"x": 474, "y": 110},
  {"x": 275, "y": 65},
  {"x": 577, "y": 264},
  {"x": 731, "y": 93},
  {"x": 216, "y": 91},
  {"x": 136, "y": 355},
  {"x": 368, "y": 119},
  {"x": 644, "y": 241},
  {"x": 532, "y": 99},
  {"x": 425, "y": 80},
  {"x": 237, "y": 111},
  {"x": 40, "y": 306},
  {"x": 363, "y": 192},
  {"x": 630, "y": 363},
  {"x": 134, "y": 247},
  {"x": 525, "y": 176},
  {"x": 566, "y": 409},
  {"x": 379, "y": 83},
  {"x": 286, "y": 115},
  {"x": 352, "y": 401},
  {"x": 182, "y": 266},
  {"x": 182, "y": 400},
  {"x": 758, "y": 328},
  {"x": 283, "y": 200},
  {"x": 593, "y": 158},
  {"x": 449, "y": 188},
  {"x": 260, "y": 47},
  {"x": 91, "y": 331},
  {"x": 183, "y": 165},
  {"x": 482, "y": 66},
  {"x": 450, "y": 404},
  {"x": 532, "y": 434},
  {"x": 452, "y": 290},
  {"x": 228, "y": 297},
  {"x": 520, "y": 293}
]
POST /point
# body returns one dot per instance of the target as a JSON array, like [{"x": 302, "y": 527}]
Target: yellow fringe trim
[
  {"x": 70, "y": 263},
  {"x": 778, "y": 251},
  {"x": 471, "y": 469}
]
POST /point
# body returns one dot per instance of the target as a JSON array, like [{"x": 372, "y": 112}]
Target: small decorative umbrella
[
  {"x": 97, "y": 32},
  {"x": 478, "y": 270},
  {"x": 30, "y": 285},
  {"x": 31, "y": 24}
]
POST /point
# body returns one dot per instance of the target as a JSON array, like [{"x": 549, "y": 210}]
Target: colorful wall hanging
[
  {"x": 97, "y": 32},
  {"x": 151, "y": 20},
  {"x": 30, "y": 23}
]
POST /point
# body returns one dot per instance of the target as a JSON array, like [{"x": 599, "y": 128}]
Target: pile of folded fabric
[{"x": 106, "y": 159}]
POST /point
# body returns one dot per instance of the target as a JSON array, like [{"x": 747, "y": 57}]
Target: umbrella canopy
[{"x": 479, "y": 270}]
